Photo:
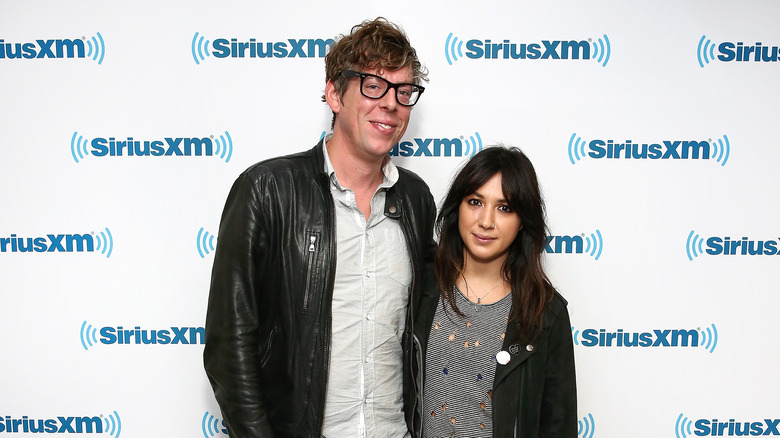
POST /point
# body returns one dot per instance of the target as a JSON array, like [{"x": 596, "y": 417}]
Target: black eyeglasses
[{"x": 375, "y": 87}]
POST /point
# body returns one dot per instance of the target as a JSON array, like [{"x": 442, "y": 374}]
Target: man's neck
[{"x": 363, "y": 174}]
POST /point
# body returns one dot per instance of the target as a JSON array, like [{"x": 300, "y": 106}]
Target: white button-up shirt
[{"x": 370, "y": 295}]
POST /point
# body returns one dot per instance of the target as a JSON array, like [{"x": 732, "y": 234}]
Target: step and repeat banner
[{"x": 652, "y": 126}]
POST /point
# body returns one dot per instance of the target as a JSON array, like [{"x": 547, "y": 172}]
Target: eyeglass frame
[{"x": 362, "y": 76}]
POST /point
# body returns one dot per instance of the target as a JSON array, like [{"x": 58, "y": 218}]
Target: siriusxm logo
[
  {"x": 201, "y": 48},
  {"x": 205, "y": 243},
  {"x": 110, "y": 425},
  {"x": 685, "y": 428},
  {"x": 93, "y": 48},
  {"x": 212, "y": 426},
  {"x": 590, "y": 245},
  {"x": 739, "y": 52},
  {"x": 102, "y": 243},
  {"x": 665, "y": 150},
  {"x": 694, "y": 246},
  {"x": 439, "y": 147},
  {"x": 586, "y": 427},
  {"x": 706, "y": 338},
  {"x": 599, "y": 50},
  {"x": 138, "y": 336},
  {"x": 220, "y": 147}
]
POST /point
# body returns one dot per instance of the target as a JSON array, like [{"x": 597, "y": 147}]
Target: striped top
[{"x": 460, "y": 366}]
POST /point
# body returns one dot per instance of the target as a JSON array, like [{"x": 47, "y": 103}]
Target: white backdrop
[{"x": 92, "y": 246}]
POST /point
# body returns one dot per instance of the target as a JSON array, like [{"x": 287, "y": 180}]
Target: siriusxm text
[
  {"x": 742, "y": 53},
  {"x": 545, "y": 49},
  {"x": 744, "y": 246},
  {"x": 180, "y": 147},
  {"x": 564, "y": 244},
  {"x": 292, "y": 48},
  {"x": 137, "y": 335},
  {"x": 52, "y": 425},
  {"x": 49, "y": 243},
  {"x": 655, "y": 338},
  {"x": 43, "y": 49},
  {"x": 731, "y": 427},
  {"x": 429, "y": 147},
  {"x": 674, "y": 149}
]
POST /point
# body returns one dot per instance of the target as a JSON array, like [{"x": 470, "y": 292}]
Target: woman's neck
[{"x": 483, "y": 283}]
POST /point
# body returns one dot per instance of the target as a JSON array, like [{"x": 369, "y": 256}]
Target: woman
[{"x": 494, "y": 334}]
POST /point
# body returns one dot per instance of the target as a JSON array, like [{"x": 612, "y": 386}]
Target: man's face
[{"x": 370, "y": 127}]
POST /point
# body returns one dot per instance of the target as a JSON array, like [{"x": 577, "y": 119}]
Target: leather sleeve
[
  {"x": 233, "y": 335},
  {"x": 558, "y": 416},
  {"x": 428, "y": 225}
]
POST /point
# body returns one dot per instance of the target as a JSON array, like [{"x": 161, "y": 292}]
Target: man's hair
[{"x": 376, "y": 45}]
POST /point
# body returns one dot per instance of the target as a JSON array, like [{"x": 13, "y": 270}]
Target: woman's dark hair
[{"x": 531, "y": 289}]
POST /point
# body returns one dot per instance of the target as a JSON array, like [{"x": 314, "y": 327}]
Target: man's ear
[{"x": 332, "y": 97}]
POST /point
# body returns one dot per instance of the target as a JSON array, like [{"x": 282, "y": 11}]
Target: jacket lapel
[{"x": 518, "y": 353}]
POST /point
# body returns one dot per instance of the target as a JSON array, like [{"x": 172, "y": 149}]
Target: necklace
[{"x": 479, "y": 299}]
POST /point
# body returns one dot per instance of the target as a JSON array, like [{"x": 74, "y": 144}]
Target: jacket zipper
[
  {"x": 410, "y": 236},
  {"x": 329, "y": 266},
  {"x": 309, "y": 264},
  {"x": 267, "y": 354},
  {"x": 417, "y": 409}
]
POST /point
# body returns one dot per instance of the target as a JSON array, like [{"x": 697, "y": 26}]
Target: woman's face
[{"x": 487, "y": 225}]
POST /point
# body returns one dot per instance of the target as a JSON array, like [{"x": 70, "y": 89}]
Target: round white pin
[{"x": 503, "y": 357}]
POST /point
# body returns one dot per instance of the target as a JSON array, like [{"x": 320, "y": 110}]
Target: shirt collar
[{"x": 389, "y": 169}]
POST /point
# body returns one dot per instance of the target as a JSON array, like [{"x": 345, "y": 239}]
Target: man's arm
[{"x": 233, "y": 325}]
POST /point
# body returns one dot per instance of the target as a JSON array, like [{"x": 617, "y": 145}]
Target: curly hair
[{"x": 373, "y": 44}]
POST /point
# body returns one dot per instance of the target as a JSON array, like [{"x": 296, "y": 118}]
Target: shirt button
[{"x": 368, "y": 317}]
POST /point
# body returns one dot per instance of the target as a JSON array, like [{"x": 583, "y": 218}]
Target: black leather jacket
[
  {"x": 535, "y": 394},
  {"x": 268, "y": 324}
]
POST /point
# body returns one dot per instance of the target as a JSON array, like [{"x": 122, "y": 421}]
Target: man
[{"x": 318, "y": 267}]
